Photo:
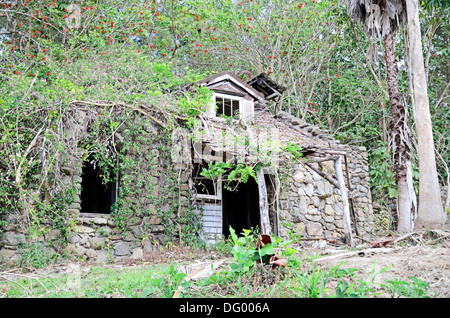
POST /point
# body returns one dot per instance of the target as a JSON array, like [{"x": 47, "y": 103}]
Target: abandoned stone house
[{"x": 305, "y": 201}]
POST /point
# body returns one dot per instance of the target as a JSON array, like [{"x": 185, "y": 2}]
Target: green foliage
[
  {"x": 416, "y": 288},
  {"x": 166, "y": 285},
  {"x": 133, "y": 55},
  {"x": 34, "y": 255},
  {"x": 242, "y": 173},
  {"x": 246, "y": 253},
  {"x": 193, "y": 105},
  {"x": 161, "y": 281},
  {"x": 34, "y": 114},
  {"x": 236, "y": 173},
  {"x": 294, "y": 150},
  {"x": 381, "y": 174}
]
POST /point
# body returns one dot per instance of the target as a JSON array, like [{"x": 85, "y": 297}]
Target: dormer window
[
  {"x": 227, "y": 106},
  {"x": 233, "y": 98}
]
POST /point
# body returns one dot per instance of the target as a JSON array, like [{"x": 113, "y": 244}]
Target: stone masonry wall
[
  {"x": 98, "y": 237},
  {"x": 312, "y": 207}
]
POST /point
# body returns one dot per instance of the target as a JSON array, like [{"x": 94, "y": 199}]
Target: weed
[
  {"x": 417, "y": 288},
  {"x": 34, "y": 255}
]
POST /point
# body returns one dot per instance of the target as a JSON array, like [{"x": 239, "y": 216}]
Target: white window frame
[
  {"x": 217, "y": 196},
  {"x": 230, "y": 97}
]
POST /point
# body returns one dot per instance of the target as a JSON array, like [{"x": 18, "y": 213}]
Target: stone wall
[
  {"x": 98, "y": 237},
  {"x": 308, "y": 205},
  {"x": 312, "y": 207}
]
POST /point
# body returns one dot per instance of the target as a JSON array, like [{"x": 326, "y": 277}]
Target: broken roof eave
[{"x": 269, "y": 88}]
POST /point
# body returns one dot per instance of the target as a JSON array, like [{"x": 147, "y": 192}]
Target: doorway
[{"x": 240, "y": 208}]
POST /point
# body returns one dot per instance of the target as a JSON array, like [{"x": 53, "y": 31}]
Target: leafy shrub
[{"x": 34, "y": 255}]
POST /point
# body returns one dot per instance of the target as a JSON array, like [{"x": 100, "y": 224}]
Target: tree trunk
[
  {"x": 400, "y": 137},
  {"x": 430, "y": 212}
]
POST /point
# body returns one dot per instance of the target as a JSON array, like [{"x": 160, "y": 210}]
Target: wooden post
[
  {"x": 263, "y": 203},
  {"x": 343, "y": 190}
]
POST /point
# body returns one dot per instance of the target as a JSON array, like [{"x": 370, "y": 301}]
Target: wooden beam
[
  {"x": 273, "y": 95},
  {"x": 352, "y": 204},
  {"x": 323, "y": 175},
  {"x": 263, "y": 203},
  {"x": 345, "y": 203}
]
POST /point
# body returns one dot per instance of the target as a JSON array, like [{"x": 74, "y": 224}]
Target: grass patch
[
  {"x": 161, "y": 281},
  {"x": 96, "y": 282},
  {"x": 244, "y": 277}
]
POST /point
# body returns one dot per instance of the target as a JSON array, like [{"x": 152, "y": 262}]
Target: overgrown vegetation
[
  {"x": 244, "y": 277},
  {"x": 121, "y": 114},
  {"x": 125, "y": 64}
]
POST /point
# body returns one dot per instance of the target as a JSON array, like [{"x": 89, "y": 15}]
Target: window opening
[
  {"x": 205, "y": 187},
  {"x": 96, "y": 195},
  {"x": 226, "y": 106}
]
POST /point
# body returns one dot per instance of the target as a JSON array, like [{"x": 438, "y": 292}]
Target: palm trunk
[
  {"x": 400, "y": 136},
  {"x": 430, "y": 206}
]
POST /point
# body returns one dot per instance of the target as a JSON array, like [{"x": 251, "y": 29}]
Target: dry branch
[
  {"x": 145, "y": 113},
  {"x": 366, "y": 252}
]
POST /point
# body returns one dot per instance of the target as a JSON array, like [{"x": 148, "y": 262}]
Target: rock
[
  {"x": 329, "y": 210},
  {"x": 52, "y": 235},
  {"x": 302, "y": 204},
  {"x": 80, "y": 250},
  {"x": 137, "y": 230},
  {"x": 314, "y": 229},
  {"x": 97, "y": 242},
  {"x": 91, "y": 253},
  {"x": 330, "y": 226},
  {"x": 128, "y": 236},
  {"x": 13, "y": 238},
  {"x": 6, "y": 254},
  {"x": 100, "y": 221},
  {"x": 103, "y": 231},
  {"x": 312, "y": 210},
  {"x": 298, "y": 176},
  {"x": 83, "y": 229},
  {"x": 301, "y": 191},
  {"x": 152, "y": 219},
  {"x": 102, "y": 257},
  {"x": 156, "y": 228},
  {"x": 149, "y": 247},
  {"x": 122, "y": 249},
  {"x": 137, "y": 253},
  {"x": 67, "y": 170},
  {"x": 309, "y": 189},
  {"x": 296, "y": 216}
]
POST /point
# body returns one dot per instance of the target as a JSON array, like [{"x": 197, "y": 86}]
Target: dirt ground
[
  {"x": 429, "y": 263},
  {"x": 421, "y": 255}
]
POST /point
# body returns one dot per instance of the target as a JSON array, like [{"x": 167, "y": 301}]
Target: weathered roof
[
  {"x": 295, "y": 130},
  {"x": 288, "y": 129}
]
